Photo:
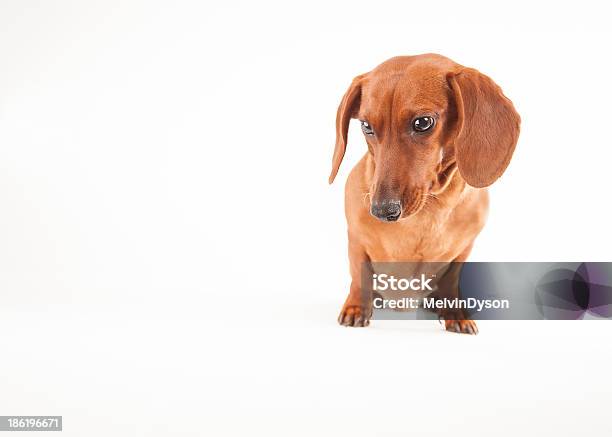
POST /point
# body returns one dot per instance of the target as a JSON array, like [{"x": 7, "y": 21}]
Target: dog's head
[{"x": 423, "y": 117}]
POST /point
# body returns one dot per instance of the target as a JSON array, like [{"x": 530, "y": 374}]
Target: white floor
[{"x": 288, "y": 369}]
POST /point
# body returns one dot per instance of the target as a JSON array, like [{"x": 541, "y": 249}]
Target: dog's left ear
[
  {"x": 349, "y": 106},
  {"x": 487, "y": 127}
]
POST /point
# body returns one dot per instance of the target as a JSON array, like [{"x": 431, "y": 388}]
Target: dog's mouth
[
  {"x": 415, "y": 206},
  {"x": 412, "y": 211}
]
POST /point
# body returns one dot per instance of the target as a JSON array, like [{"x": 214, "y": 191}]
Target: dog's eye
[
  {"x": 422, "y": 124},
  {"x": 366, "y": 128}
]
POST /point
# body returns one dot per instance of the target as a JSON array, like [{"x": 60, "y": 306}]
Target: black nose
[{"x": 387, "y": 210}]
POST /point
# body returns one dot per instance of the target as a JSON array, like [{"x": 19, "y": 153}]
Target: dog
[{"x": 437, "y": 133}]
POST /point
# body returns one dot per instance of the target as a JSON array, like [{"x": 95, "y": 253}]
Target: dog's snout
[{"x": 387, "y": 210}]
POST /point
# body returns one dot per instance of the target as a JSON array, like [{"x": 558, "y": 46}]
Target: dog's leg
[
  {"x": 357, "y": 309},
  {"x": 455, "y": 320}
]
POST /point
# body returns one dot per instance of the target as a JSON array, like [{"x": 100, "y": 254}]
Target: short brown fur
[{"x": 438, "y": 177}]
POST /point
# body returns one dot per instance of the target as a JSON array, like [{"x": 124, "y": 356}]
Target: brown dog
[{"x": 437, "y": 133}]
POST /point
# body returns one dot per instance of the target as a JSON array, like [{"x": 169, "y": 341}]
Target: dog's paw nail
[
  {"x": 354, "y": 316},
  {"x": 462, "y": 326}
]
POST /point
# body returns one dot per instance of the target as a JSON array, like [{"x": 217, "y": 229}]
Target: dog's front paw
[
  {"x": 461, "y": 326},
  {"x": 354, "y": 315}
]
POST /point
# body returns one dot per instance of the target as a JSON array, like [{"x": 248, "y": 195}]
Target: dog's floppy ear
[
  {"x": 487, "y": 127},
  {"x": 348, "y": 109}
]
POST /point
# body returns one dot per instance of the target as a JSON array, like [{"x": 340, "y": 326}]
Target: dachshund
[{"x": 438, "y": 134}]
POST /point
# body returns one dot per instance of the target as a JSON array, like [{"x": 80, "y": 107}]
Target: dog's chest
[
  {"x": 435, "y": 237},
  {"x": 425, "y": 242}
]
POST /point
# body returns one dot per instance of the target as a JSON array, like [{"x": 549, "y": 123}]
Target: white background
[{"x": 172, "y": 260}]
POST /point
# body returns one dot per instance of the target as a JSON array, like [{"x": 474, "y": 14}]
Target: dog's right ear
[{"x": 349, "y": 106}]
